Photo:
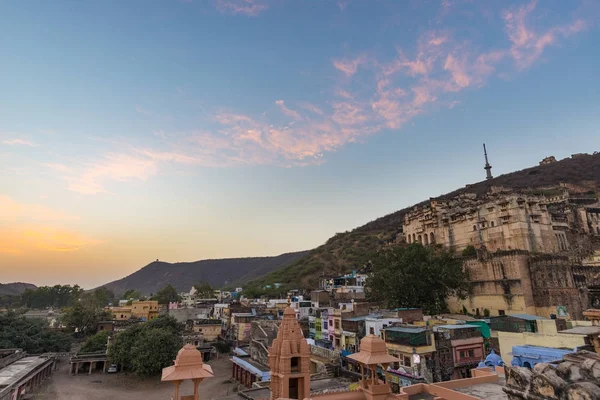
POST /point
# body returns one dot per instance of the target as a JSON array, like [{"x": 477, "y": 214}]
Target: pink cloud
[
  {"x": 11, "y": 210},
  {"x": 312, "y": 108},
  {"x": 458, "y": 69},
  {"x": 528, "y": 45},
  {"x": 18, "y": 142},
  {"x": 349, "y": 67},
  {"x": 290, "y": 113},
  {"x": 250, "y": 8}
]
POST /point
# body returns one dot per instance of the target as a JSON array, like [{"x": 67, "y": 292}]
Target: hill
[
  {"x": 352, "y": 249},
  {"x": 14, "y": 289},
  {"x": 183, "y": 275}
]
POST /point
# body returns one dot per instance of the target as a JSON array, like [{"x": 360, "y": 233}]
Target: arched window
[
  {"x": 431, "y": 238},
  {"x": 493, "y": 223},
  {"x": 419, "y": 239},
  {"x": 474, "y": 227},
  {"x": 414, "y": 238},
  {"x": 408, "y": 239},
  {"x": 426, "y": 239}
]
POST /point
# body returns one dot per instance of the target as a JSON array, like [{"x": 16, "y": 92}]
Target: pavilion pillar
[
  {"x": 176, "y": 383},
  {"x": 77, "y": 368},
  {"x": 196, "y": 383},
  {"x": 91, "y": 366}
]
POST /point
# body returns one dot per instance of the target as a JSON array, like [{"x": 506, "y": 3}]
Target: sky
[{"x": 179, "y": 130}]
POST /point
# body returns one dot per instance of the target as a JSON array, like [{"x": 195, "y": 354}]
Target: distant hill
[
  {"x": 218, "y": 273},
  {"x": 14, "y": 289},
  {"x": 352, "y": 249}
]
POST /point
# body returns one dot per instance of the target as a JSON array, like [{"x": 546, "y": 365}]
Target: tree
[
  {"x": 55, "y": 296},
  {"x": 95, "y": 343},
  {"x": 154, "y": 350},
  {"x": 148, "y": 347},
  {"x": 166, "y": 295},
  {"x": 205, "y": 291},
  {"x": 416, "y": 276},
  {"x": 31, "y": 335},
  {"x": 103, "y": 296},
  {"x": 83, "y": 317},
  {"x": 131, "y": 294}
]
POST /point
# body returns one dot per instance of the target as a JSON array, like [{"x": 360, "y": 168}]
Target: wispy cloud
[
  {"x": 142, "y": 110},
  {"x": 285, "y": 110},
  {"x": 349, "y": 66},
  {"x": 11, "y": 210},
  {"x": 528, "y": 45},
  {"x": 20, "y": 240},
  {"x": 18, "y": 142},
  {"x": 250, "y": 8}
]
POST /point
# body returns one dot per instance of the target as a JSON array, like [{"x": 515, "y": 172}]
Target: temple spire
[{"x": 488, "y": 167}]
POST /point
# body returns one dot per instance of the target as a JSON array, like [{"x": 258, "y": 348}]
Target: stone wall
[{"x": 576, "y": 377}]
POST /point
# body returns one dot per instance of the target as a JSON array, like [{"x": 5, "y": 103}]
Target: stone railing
[{"x": 330, "y": 355}]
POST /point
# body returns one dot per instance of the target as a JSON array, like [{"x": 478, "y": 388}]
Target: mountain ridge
[
  {"x": 217, "y": 272},
  {"x": 15, "y": 288}
]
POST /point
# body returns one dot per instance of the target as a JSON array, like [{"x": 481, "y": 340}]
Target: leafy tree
[
  {"x": 469, "y": 251},
  {"x": 205, "y": 291},
  {"x": 154, "y": 350},
  {"x": 83, "y": 317},
  {"x": 95, "y": 343},
  {"x": 103, "y": 296},
  {"x": 416, "y": 276},
  {"x": 148, "y": 347},
  {"x": 55, "y": 296},
  {"x": 31, "y": 335},
  {"x": 131, "y": 294},
  {"x": 166, "y": 295}
]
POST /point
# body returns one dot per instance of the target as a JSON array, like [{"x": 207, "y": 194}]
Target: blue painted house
[{"x": 529, "y": 356}]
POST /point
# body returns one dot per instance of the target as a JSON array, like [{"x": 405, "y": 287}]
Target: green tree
[
  {"x": 154, "y": 350},
  {"x": 166, "y": 295},
  {"x": 95, "y": 343},
  {"x": 31, "y": 335},
  {"x": 416, "y": 276},
  {"x": 148, "y": 347},
  {"x": 205, "y": 291},
  {"x": 51, "y": 296},
  {"x": 469, "y": 251},
  {"x": 83, "y": 317},
  {"x": 131, "y": 294}
]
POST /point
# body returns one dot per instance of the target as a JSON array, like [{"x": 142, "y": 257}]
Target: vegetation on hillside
[
  {"x": 416, "y": 276},
  {"x": 350, "y": 250},
  {"x": 31, "y": 335},
  {"x": 146, "y": 349},
  {"x": 51, "y": 296}
]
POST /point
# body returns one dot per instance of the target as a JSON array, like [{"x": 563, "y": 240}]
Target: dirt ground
[{"x": 99, "y": 386}]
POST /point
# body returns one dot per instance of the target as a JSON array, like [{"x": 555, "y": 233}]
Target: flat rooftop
[
  {"x": 487, "y": 391},
  {"x": 16, "y": 371}
]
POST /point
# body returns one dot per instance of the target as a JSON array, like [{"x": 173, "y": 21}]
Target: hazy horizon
[{"x": 186, "y": 130}]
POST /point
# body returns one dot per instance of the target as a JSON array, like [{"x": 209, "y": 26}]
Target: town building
[
  {"x": 145, "y": 310},
  {"x": 414, "y": 347},
  {"x": 466, "y": 346},
  {"x": 209, "y": 328},
  {"x": 528, "y": 356}
]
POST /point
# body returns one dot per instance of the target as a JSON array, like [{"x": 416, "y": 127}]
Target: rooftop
[
  {"x": 583, "y": 330},
  {"x": 487, "y": 391},
  {"x": 14, "y": 372},
  {"x": 527, "y": 317},
  {"x": 406, "y": 329},
  {"x": 461, "y": 326}
]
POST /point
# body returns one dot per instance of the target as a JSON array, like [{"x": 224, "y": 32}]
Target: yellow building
[
  {"x": 209, "y": 328},
  {"x": 405, "y": 341},
  {"x": 146, "y": 310},
  {"x": 120, "y": 313},
  {"x": 546, "y": 336}
]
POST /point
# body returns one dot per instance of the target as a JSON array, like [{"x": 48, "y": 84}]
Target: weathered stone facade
[
  {"x": 577, "y": 376},
  {"x": 520, "y": 282}
]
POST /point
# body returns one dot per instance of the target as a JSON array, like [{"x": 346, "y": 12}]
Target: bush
[
  {"x": 222, "y": 347},
  {"x": 486, "y": 312},
  {"x": 95, "y": 343}
]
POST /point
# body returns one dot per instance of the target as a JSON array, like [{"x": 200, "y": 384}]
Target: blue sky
[{"x": 183, "y": 130}]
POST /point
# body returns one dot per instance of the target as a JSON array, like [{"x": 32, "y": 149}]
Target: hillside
[
  {"x": 218, "y": 273},
  {"x": 14, "y": 289},
  {"x": 351, "y": 249}
]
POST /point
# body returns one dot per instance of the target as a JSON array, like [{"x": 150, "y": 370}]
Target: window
[
  {"x": 474, "y": 227},
  {"x": 337, "y": 324},
  {"x": 406, "y": 361},
  {"x": 325, "y": 325},
  {"x": 462, "y": 354},
  {"x": 493, "y": 224},
  {"x": 471, "y": 353},
  {"x": 501, "y": 312},
  {"x": 295, "y": 364}
]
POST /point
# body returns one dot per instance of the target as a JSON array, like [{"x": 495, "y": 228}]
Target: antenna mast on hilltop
[{"x": 488, "y": 167}]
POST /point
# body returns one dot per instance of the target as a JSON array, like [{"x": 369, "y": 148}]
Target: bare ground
[{"x": 99, "y": 386}]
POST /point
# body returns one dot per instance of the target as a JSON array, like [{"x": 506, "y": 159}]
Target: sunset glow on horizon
[{"x": 183, "y": 130}]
